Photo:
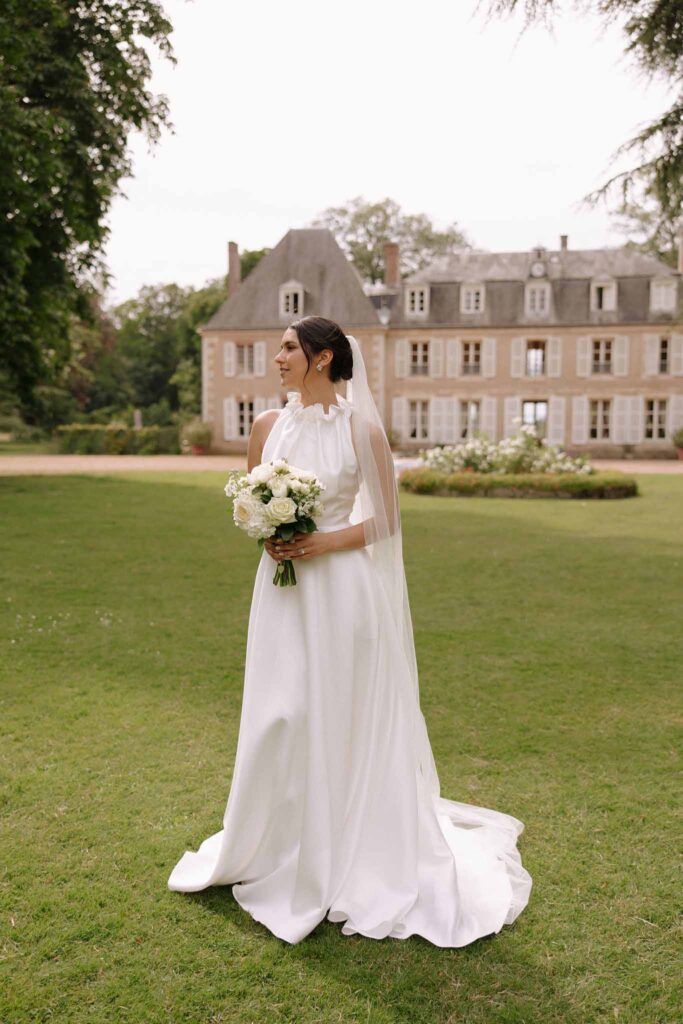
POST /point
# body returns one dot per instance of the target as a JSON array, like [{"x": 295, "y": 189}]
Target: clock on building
[{"x": 537, "y": 269}]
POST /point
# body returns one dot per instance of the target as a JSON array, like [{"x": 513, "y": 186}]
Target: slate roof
[
  {"x": 333, "y": 287},
  {"x": 505, "y": 274},
  {"x": 567, "y": 264}
]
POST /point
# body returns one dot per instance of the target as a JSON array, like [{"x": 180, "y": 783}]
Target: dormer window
[
  {"x": 603, "y": 296},
  {"x": 291, "y": 299},
  {"x": 472, "y": 298},
  {"x": 663, "y": 295},
  {"x": 537, "y": 299},
  {"x": 417, "y": 301}
]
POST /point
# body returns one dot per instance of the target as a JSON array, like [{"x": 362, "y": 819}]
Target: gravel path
[{"x": 55, "y": 465}]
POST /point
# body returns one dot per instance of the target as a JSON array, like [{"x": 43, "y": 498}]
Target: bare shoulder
[
  {"x": 260, "y": 429},
  {"x": 263, "y": 423}
]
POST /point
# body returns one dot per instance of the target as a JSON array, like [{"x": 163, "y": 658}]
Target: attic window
[
  {"x": 537, "y": 299},
  {"x": 603, "y": 296},
  {"x": 663, "y": 295},
  {"x": 291, "y": 299},
  {"x": 472, "y": 298},
  {"x": 417, "y": 301}
]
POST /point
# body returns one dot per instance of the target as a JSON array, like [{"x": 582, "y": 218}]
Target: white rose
[
  {"x": 245, "y": 507},
  {"x": 261, "y": 474},
  {"x": 279, "y": 486},
  {"x": 281, "y": 510}
]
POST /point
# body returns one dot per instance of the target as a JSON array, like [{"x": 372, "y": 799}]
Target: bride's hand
[{"x": 311, "y": 544}]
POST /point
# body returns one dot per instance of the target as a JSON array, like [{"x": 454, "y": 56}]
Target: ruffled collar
[{"x": 317, "y": 411}]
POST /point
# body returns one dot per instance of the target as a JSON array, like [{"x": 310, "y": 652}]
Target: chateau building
[{"x": 587, "y": 345}]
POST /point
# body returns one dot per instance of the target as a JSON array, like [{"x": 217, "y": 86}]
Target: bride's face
[{"x": 291, "y": 360}]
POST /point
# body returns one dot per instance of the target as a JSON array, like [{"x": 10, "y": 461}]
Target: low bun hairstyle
[{"x": 316, "y": 333}]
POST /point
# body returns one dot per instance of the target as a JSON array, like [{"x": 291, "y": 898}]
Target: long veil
[{"x": 377, "y": 508}]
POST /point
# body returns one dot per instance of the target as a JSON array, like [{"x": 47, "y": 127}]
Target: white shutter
[
  {"x": 274, "y": 402},
  {"x": 556, "y": 413},
  {"x": 436, "y": 357},
  {"x": 580, "y": 419},
  {"x": 488, "y": 357},
  {"x": 488, "y": 416},
  {"x": 260, "y": 350},
  {"x": 229, "y": 358},
  {"x": 260, "y": 405},
  {"x": 436, "y": 420},
  {"x": 399, "y": 417},
  {"x": 401, "y": 357},
  {"x": 554, "y": 362},
  {"x": 635, "y": 428},
  {"x": 610, "y": 298},
  {"x": 676, "y": 360},
  {"x": 620, "y": 360},
  {"x": 517, "y": 357},
  {"x": 619, "y": 424},
  {"x": 453, "y": 357},
  {"x": 512, "y": 408},
  {"x": 451, "y": 414},
  {"x": 651, "y": 355},
  {"x": 674, "y": 417},
  {"x": 229, "y": 418},
  {"x": 583, "y": 356}
]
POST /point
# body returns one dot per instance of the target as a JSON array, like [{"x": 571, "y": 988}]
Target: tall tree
[
  {"x": 361, "y": 229},
  {"x": 649, "y": 228},
  {"x": 654, "y": 34},
  {"x": 149, "y": 343},
  {"x": 73, "y": 85}
]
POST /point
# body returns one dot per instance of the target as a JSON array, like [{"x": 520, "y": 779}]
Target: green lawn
[{"x": 549, "y": 643}]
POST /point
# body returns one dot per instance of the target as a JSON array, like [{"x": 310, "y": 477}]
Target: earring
[{"x": 319, "y": 366}]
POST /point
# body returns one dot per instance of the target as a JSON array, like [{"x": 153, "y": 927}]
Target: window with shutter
[
  {"x": 655, "y": 419},
  {"x": 535, "y": 414},
  {"x": 599, "y": 429},
  {"x": 419, "y": 358},
  {"x": 245, "y": 417},
  {"x": 470, "y": 417},
  {"x": 418, "y": 419},
  {"x": 471, "y": 358},
  {"x": 535, "y": 358}
]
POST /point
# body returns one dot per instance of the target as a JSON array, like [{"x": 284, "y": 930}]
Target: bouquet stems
[{"x": 284, "y": 574}]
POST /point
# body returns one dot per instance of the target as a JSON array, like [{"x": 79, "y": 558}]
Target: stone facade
[{"x": 586, "y": 344}]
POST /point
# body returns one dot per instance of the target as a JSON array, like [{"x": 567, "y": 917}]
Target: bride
[{"x": 334, "y": 808}]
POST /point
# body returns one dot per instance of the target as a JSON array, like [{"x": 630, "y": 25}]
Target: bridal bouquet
[{"x": 276, "y": 499}]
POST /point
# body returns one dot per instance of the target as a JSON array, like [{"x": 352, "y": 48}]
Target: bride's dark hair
[{"x": 316, "y": 333}]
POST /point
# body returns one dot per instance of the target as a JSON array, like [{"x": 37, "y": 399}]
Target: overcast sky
[{"x": 283, "y": 109}]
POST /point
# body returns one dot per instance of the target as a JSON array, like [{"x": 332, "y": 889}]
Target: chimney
[
  {"x": 233, "y": 268},
  {"x": 392, "y": 276},
  {"x": 563, "y": 242}
]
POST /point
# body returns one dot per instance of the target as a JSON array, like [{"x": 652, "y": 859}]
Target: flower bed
[
  {"x": 524, "y": 452},
  {"x": 518, "y": 485},
  {"x": 95, "y": 439}
]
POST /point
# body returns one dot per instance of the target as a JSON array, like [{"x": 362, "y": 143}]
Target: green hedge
[
  {"x": 95, "y": 439},
  {"x": 520, "y": 485}
]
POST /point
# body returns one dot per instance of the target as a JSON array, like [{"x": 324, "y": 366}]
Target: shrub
[
  {"x": 524, "y": 452},
  {"x": 196, "y": 432},
  {"x": 518, "y": 485},
  {"x": 117, "y": 439},
  {"x": 677, "y": 437}
]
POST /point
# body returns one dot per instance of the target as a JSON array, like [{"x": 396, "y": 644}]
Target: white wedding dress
[{"x": 328, "y": 815}]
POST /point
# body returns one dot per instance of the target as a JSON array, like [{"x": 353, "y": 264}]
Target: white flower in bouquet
[{"x": 276, "y": 499}]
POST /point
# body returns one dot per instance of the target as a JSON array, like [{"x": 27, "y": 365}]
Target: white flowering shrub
[{"x": 524, "y": 452}]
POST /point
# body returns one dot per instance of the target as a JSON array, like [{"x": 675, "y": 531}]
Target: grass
[
  {"x": 548, "y": 640},
  {"x": 46, "y": 447}
]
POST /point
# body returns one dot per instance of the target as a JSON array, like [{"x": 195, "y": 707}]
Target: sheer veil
[{"x": 377, "y": 508}]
